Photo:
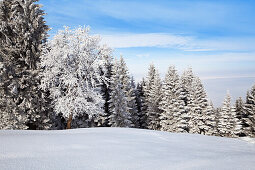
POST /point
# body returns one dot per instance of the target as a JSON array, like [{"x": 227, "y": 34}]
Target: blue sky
[{"x": 216, "y": 38}]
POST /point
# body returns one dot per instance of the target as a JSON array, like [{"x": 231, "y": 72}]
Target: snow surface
[{"x": 121, "y": 148}]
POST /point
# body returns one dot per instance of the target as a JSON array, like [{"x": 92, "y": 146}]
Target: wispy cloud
[
  {"x": 185, "y": 43},
  {"x": 145, "y": 40}
]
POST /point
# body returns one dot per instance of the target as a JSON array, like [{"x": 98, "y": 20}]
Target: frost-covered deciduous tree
[
  {"x": 71, "y": 72},
  {"x": 22, "y": 34},
  {"x": 120, "y": 115}
]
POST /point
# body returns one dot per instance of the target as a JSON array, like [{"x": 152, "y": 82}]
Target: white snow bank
[{"x": 120, "y": 148}]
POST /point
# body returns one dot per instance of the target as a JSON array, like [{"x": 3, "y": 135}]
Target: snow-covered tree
[
  {"x": 129, "y": 91},
  {"x": 133, "y": 105},
  {"x": 201, "y": 107},
  {"x": 250, "y": 111},
  {"x": 188, "y": 120},
  {"x": 170, "y": 101},
  {"x": 105, "y": 71},
  {"x": 22, "y": 34},
  {"x": 71, "y": 72},
  {"x": 227, "y": 119},
  {"x": 120, "y": 115},
  {"x": 154, "y": 95},
  {"x": 242, "y": 116},
  {"x": 141, "y": 105},
  {"x": 209, "y": 120}
]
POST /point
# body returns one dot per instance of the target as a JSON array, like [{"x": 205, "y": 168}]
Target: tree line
[{"x": 72, "y": 81}]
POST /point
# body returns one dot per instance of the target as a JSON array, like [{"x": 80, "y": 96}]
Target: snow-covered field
[{"x": 121, "y": 148}]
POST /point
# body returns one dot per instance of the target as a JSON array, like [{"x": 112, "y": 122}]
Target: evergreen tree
[
  {"x": 154, "y": 98},
  {"x": 141, "y": 106},
  {"x": 250, "y": 111},
  {"x": 187, "y": 122},
  {"x": 147, "y": 89},
  {"x": 133, "y": 104},
  {"x": 170, "y": 101},
  {"x": 105, "y": 71},
  {"x": 22, "y": 34},
  {"x": 201, "y": 108},
  {"x": 209, "y": 120},
  {"x": 226, "y": 118},
  {"x": 120, "y": 115},
  {"x": 242, "y": 116},
  {"x": 129, "y": 91}
]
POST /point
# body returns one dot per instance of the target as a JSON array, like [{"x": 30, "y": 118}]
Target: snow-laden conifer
[
  {"x": 225, "y": 125},
  {"x": 154, "y": 95},
  {"x": 170, "y": 101},
  {"x": 120, "y": 115},
  {"x": 187, "y": 120},
  {"x": 250, "y": 111},
  {"x": 141, "y": 105},
  {"x": 242, "y": 116},
  {"x": 22, "y": 34}
]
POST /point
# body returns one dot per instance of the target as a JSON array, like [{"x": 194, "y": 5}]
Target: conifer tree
[
  {"x": 170, "y": 101},
  {"x": 209, "y": 120},
  {"x": 187, "y": 120},
  {"x": 105, "y": 71},
  {"x": 22, "y": 34},
  {"x": 141, "y": 105},
  {"x": 242, "y": 116},
  {"x": 201, "y": 105},
  {"x": 120, "y": 115},
  {"x": 153, "y": 99},
  {"x": 129, "y": 91},
  {"x": 133, "y": 104},
  {"x": 225, "y": 124},
  {"x": 250, "y": 111}
]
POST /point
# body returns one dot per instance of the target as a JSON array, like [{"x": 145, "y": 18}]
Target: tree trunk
[{"x": 69, "y": 121}]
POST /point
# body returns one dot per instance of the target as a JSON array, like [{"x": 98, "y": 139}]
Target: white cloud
[
  {"x": 145, "y": 40},
  {"x": 185, "y": 43}
]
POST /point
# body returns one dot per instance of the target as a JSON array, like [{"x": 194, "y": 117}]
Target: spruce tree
[
  {"x": 201, "y": 105},
  {"x": 120, "y": 115},
  {"x": 250, "y": 111},
  {"x": 129, "y": 91},
  {"x": 226, "y": 119},
  {"x": 188, "y": 120},
  {"x": 209, "y": 120},
  {"x": 105, "y": 71},
  {"x": 133, "y": 104},
  {"x": 141, "y": 105},
  {"x": 153, "y": 99},
  {"x": 170, "y": 101},
  {"x": 242, "y": 116},
  {"x": 22, "y": 34}
]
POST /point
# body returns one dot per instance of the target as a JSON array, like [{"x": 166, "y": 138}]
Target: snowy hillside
[{"x": 120, "y": 148}]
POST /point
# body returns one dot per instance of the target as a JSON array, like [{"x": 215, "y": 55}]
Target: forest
[{"x": 72, "y": 80}]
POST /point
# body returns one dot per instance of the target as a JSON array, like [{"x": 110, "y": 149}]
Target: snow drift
[{"x": 121, "y": 148}]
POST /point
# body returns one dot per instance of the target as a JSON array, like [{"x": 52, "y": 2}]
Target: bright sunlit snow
[{"x": 121, "y": 148}]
